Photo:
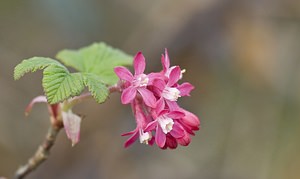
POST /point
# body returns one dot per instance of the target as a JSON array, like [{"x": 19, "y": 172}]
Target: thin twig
[
  {"x": 79, "y": 99},
  {"x": 40, "y": 155},
  {"x": 43, "y": 151}
]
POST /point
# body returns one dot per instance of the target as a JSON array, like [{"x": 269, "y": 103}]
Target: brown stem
[
  {"x": 79, "y": 99},
  {"x": 43, "y": 151},
  {"x": 40, "y": 155}
]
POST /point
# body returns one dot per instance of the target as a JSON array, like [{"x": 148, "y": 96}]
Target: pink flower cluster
[{"x": 153, "y": 98}]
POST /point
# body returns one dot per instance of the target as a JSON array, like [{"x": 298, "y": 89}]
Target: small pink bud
[{"x": 191, "y": 119}]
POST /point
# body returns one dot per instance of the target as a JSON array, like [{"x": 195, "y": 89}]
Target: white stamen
[
  {"x": 165, "y": 123},
  {"x": 171, "y": 94},
  {"x": 141, "y": 80},
  {"x": 167, "y": 74},
  {"x": 145, "y": 137},
  {"x": 182, "y": 72}
]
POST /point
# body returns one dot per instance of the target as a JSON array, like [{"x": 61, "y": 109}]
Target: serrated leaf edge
[
  {"x": 18, "y": 73},
  {"x": 86, "y": 83}
]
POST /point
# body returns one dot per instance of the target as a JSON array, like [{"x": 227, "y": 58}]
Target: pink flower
[
  {"x": 165, "y": 60},
  {"x": 164, "y": 122},
  {"x": 166, "y": 126},
  {"x": 171, "y": 90},
  {"x": 190, "y": 121},
  {"x": 137, "y": 82},
  {"x": 138, "y": 132},
  {"x": 172, "y": 127}
]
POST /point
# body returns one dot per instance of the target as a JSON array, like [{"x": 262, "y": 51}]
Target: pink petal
[
  {"x": 160, "y": 137},
  {"x": 159, "y": 84},
  {"x": 172, "y": 105},
  {"x": 151, "y": 141},
  {"x": 128, "y": 95},
  {"x": 177, "y": 131},
  {"x": 164, "y": 147},
  {"x": 160, "y": 106},
  {"x": 187, "y": 128},
  {"x": 185, "y": 89},
  {"x": 174, "y": 76},
  {"x": 150, "y": 126},
  {"x": 128, "y": 133},
  {"x": 175, "y": 114},
  {"x": 38, "y": 99},
  {"x": 148, "y": 97},
  {"x": 131, "y": 139},
  {"x": 154, "y": 76},
  {"x": 191, "y": 119},
  {"x": 165, "y": 61},
  {"x": 139, "y": 63},
  {"x": 133, "y": 104},
  {"x": 123, "y": 73},
  {"x": 171, "y": 142},
  {"x": 140, "y": 116},
  {"x": 185, "y": 140},
  {"x": 163, "y": 112},
  {"x": 72, "y": 126}
]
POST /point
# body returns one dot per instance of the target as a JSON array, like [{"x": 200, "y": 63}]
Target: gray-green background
[{"x": 242, "y": 56}]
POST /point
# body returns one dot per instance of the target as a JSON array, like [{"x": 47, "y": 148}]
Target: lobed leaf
[
  {"x": 95, "y": 64},
  {"x": 59, "y": 84},
  {"x": 98, "y": 58},
  {"x": 97, "y": 88},
  {"x": 33, "y": 64}
]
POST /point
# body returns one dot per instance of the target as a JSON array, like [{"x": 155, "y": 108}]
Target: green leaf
[
  {"x": 98, "y": 58},
  {"x": 33, "y": 64},
  {"x": 95, "y": 63},
  {"x": 59, "y": 84},
  {"x": 97, "y": 88}
]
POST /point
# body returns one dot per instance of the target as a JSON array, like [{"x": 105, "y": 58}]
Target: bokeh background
[{"x": 242, "y": 56}]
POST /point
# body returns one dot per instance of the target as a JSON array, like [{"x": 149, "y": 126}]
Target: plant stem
[
  {"x": 40, "y": 155},
  {"x": 43, "y": 151},
  {"x": 82, "y": 97}
]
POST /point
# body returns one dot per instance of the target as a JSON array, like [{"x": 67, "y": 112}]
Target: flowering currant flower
[
  {"x": 71, "y": 121},
  {"x": 165, "y": 60},
  {"x": 141, "y": 121},
  {"x": 166, "y": 122},
  {"x": 190, "y": 121},
  {"x": 170, "y": 91},
  {"x": 137, "y": 82}
]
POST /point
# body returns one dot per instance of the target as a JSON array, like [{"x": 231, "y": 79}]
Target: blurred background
[{"x": 242, "y": 56}]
